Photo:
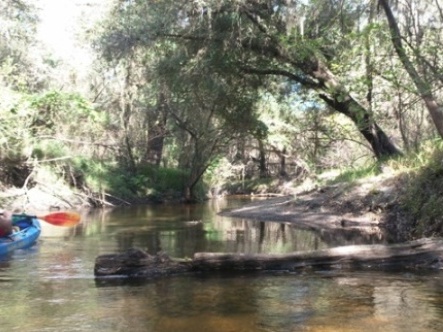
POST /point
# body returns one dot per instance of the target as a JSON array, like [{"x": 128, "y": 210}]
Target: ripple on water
[{"x": 53, "y": 282}]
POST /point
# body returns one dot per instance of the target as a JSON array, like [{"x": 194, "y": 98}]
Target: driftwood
[{"x": 419, "y": 254}]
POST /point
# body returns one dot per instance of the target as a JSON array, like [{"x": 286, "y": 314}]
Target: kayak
[{"x": 26, "y": 232}]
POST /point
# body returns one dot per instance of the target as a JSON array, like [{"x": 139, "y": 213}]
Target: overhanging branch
[{"x": 305, "y": 81}]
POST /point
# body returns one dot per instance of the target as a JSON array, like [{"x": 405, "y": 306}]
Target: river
[{"x": 51, "y": 286}]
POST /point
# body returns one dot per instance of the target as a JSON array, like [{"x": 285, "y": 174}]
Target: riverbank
[
  {"x": 368, "y": 205},
  {"x": 399, "y": 200}
]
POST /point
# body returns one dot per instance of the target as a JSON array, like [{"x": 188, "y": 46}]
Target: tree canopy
[{"x": 232, "y": 89}]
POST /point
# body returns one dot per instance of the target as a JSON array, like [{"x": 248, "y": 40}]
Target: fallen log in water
[{"x": 419, "y": 254}]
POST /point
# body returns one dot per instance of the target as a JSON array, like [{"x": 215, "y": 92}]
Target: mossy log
[{"x": 419, "y": 254}]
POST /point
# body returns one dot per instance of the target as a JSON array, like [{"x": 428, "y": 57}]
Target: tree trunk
[
  {"x": 202, "y": 153},
  {"x": 157, "y": 121},
  {"x": 317, "y": 76},
  {"x": 262, "y": 160},
  {"x": 126, "y": 106},
  {"x": 339, "y": 99},
  {"x": 282, "y": 156},
  {"x": 422, "y": 86},
  {"x": 419, "y": 254},
  {"x": 368, "y": 60},
  {"x": 380, "y": 143}
]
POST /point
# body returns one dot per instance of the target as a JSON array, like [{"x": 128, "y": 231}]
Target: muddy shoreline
[{"x": 368, "y": 207}]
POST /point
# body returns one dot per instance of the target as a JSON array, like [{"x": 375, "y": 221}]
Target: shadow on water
[{"x": 52, "y": 287}]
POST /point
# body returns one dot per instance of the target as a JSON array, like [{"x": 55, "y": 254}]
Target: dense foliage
[{"x": 186, "y": 98}]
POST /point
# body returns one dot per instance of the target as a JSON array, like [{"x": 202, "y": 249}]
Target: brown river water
[{"x": 51, "y": 286}]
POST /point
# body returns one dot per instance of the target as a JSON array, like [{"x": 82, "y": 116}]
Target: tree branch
[
  {"x": 305, "y": 81},
  {"x": 433, "y": 69}
]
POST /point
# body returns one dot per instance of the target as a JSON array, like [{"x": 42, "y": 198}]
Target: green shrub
[
  {"x": 422, "y": 194},
  {"x": 353, "y": 174}
]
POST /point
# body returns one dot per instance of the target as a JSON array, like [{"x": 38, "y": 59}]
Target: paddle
[{"x": 67, "y": 219}]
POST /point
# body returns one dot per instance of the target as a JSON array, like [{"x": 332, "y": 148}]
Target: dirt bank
[{"x": 368, "y": 205}]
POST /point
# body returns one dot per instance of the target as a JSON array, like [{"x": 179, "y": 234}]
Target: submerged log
[
  {"x": 419, "y": 254},
  {"x": 137, "y": 263}
]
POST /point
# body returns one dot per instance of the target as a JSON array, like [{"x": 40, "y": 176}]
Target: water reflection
[
  {"x": 280, "y": 303},
  {"x": 182, "y": 230},
  {"x": 50, "y": 287}
]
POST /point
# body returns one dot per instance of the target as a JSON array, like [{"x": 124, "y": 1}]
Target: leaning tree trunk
[
  {"x": 339, "y": 99},
  {"x": 422, "y": 86},
  {"x": 317, "y": 76},
  {"x": 380, "y": 143}
]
